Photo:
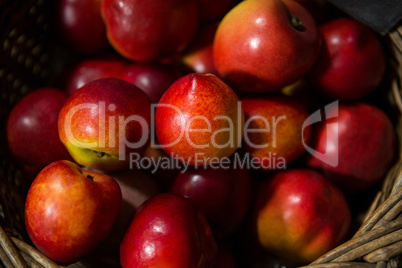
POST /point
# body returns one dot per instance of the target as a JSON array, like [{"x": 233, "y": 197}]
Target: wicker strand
[
  {"x": 380, "y": 213},
  {"x": 393, "y": 180},
  {"x": 381, "y": 264},
  {"x": 396, "y": 94},
  {"x": 11, "y": 251},
  {"x": 31, "y": 262},
  {"x": 384, "y": 254},
  {"x": 35, "y": 254},
  {"x": 394, "y": 263},
  {"x": 396, "y": 37},
  {"x": 398, "y": 182},
  {"x": 4, "y": 259},
  {"x": 374, "y": 205},
  {"x": 359, "y": 241},
  {"x": 373, "y": 245},
  {"x": 342, "y": 265}
]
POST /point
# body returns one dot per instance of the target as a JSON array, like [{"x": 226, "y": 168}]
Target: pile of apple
[{"x": 199, "y": 133}]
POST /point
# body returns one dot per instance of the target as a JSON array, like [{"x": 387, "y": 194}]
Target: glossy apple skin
[
  {"x": 148, "y": 31},
  {"x": 249, "y": 50},
  {"x": 352, "y": 62},
  {"x": 222, "y": 195},
  {"x": 198, "y": 57},
  {"x": 300, "y": 215},
  {"x": 183, "y": 134},
  {"x": 152, "y": 78},
  {"x": 282, "y": 140},
  {"x": 32, "y": 134},
  {"x": 211, "y": 10},
  {"x": 79, "y": 24},
  {"x": 67, "y": 214},
  {"x": 97, "y": 139},
  {"x": 92, "y": 69},
  {"x": 167, "y": 231},
  {"x": 365, "y": 149}
]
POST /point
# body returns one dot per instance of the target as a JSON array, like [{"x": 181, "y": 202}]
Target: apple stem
[
  {"x": 100, "y": 154},
  {"x": 90, "y": 177},
  {"x": 297, "y": 23}
]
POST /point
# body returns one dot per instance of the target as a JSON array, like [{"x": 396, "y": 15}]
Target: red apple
[
  {"x": 32, "y": 133},
  {"x": 275, "y": 130},
  {"x": 147, "y": 31},
  {"x": 69, "y": 211},
  {"x": 92, "y": 69},
  {"x": 152, "y": 78},
  {"x": 352, "y": 62},
  {"x": 168, "y": 231},
  {"x": 104, "y": 122},
  {"x": 300, "y": 215},
  {"x": 223, "y": 195},
  {"x": 79, "y": 24},
  {"x": 262, "y": 46},
  {"x": 198, "y": 57},
  {"x": 199, "y": 119},
  {"x": 354, "y": 146},
  {"x": 211, "y": 10}
]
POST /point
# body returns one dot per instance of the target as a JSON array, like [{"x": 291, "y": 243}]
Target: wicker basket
[{"x": 25, "y": 62}]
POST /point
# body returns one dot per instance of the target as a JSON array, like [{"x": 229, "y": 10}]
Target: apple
[
  {"x": 299, "y": 215},
  {"x": 69, "y": 211},
  {"x": 87, "y": 70},
  {"x": 104, "y": 122},
  {"x": 168, "y": 230},
  {"x": 352, "y": 62},
  {"x": 262, "y": 46},
  {"x": 355, "y": 148},
  {"x": 223, "y": 195},
  {"x": 199, "y": 120},
  {"x": 152, "y": 78},
  {"x": 275, "y": 131},
  {"x": 32, "y": 134},
  {"x": 149, "y": 31},
  {"x": 80, "y": 26},
  {"x": 211, "y": 10},
  {"x": 198, "y": 57}
]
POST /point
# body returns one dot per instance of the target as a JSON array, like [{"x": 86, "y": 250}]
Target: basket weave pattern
[{"x": 24, "y": 62}]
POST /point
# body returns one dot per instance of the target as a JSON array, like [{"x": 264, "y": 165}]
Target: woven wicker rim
[{"x": 378, "y": 242}]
